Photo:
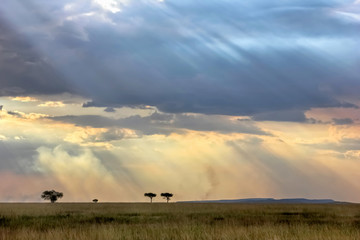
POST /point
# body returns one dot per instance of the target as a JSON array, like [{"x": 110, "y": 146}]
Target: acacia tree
[
  {"x": 150, "y": 195},
  {"x": 167, "y": 196},
  {"x": 51, "y": 195}
]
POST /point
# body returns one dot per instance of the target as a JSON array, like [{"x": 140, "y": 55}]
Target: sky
[{"x": 227, "y": 99}]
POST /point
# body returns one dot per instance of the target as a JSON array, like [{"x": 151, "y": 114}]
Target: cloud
[
  {"x": 30, "y": 116},
  {"x": 52, "y": 104},
  {"x": 341, "y": 148},
  {"x": 230, "y": 58},
  {"x": 109, "y": 109},
  {"x": 15, "y": 114},
  {"x": 24, "y": 99},
  {"x": 25, "y": 70},
  {"x": 287, "y": 116},
  {"x": 100, "y": 137},
  {"x": 220, "y": 124},
  {"x": 109, "y": 5},
  {"x": 353, "y": 155},
  {"x": 342, "y": 121},
  {"x": 160, "y": 123}
]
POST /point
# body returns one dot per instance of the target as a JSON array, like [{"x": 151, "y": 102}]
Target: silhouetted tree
[
  {"x": 95, "y": 200},
  {"x": 167, "y": 196},
  {"x": 51, "y": 195},
  {"x": 150, "y": 195}
]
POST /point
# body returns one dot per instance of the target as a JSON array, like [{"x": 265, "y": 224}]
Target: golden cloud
[
  {"x": 52, "y": 104},
  {"x": 24, "y": 99}
]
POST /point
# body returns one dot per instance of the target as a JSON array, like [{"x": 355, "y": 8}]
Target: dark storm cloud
[
  {"x": 23, "y": 71},
  {"x": 227, "y": 57},
  {"x": 159, "y": 123}
]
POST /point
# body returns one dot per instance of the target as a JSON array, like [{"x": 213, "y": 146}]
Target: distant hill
[{"x": 267, "y": 200}]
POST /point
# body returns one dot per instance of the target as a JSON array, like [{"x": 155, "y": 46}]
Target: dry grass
[{"x": 179, "y": 221}]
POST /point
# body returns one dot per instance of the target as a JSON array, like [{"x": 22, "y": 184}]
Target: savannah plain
[{"x": 82, "y": 221}]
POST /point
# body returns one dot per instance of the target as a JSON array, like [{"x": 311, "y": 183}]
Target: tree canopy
[
  {"x": 51, "y": 195},
  {"x": 150, "y": 195},
  {"x": 167, "y": 196}
]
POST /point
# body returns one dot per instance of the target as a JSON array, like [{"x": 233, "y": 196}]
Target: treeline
[{"x": 53, "y": 196}]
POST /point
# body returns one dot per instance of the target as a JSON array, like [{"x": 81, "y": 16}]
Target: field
[{"x": 178, "y": 221}]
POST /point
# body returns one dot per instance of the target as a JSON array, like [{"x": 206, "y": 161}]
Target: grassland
[{"x": 178, "y": 221}]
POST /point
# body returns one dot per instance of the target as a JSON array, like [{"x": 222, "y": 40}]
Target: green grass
[{"x": 179, "y": 221}]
